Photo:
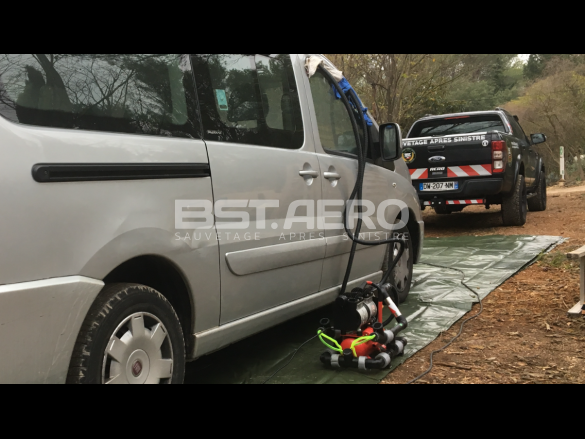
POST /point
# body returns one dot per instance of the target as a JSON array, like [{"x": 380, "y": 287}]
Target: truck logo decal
[
  {"x": 435, "y": 140},
  {"x": 485, "y": 143},
  {"x": 408, "y": 155},
  {"x": 437, "y": 158}
]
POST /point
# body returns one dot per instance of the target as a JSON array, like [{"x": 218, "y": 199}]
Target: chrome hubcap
[
  {"x": 138, "y": 352},
  {"x": 401, "y": 272}
]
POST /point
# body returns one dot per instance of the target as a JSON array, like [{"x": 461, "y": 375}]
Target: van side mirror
[
  {"x": 390, "y": 141},
  {"x": 537, "y": 138}
]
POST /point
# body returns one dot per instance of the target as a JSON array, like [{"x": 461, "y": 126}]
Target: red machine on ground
[{"x": 358, "y": 339}]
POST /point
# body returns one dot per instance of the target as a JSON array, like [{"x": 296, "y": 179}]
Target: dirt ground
[{"x": 524, "y": 334}]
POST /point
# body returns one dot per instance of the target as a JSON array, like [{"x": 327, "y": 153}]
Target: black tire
[
  {"x": 538, "y": 202},
  {"x": 401, "y": 276},
  {"x": 112, "y": 307},
  {"x": 515, "y": 205}
]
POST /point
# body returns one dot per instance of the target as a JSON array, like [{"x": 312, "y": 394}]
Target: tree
[
  {"x": 403, "y": 87},
  {"x": 535, "y": 66},
  {"x": 555, "y": 105}
]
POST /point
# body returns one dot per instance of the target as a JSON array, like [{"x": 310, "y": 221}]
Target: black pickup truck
[{"x": 480, "y": 157}]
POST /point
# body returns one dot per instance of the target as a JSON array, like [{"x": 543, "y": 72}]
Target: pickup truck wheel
[
  {"x": 401, "y": 276},
  {"x": 538, "y": 202},
  {"x": 131, "y": 335},
  {"x": 514, "y": 205}
]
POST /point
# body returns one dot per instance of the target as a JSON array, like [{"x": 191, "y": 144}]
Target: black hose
[
  {"x": 360, "y": 178},
  {"x": 357, "y": 190},
  {"x": 291, "y": 358},
  {"x": 388, "y": 320},
  {"x": 361, "y": 167}
]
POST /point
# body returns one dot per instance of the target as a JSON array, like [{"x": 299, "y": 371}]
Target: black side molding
[{"x": 63, "y": 172}]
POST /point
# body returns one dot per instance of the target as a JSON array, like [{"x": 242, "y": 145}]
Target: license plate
[{"x": 439, "y": 186}]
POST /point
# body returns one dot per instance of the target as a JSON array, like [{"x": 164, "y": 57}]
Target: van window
[
  {"x": 333, "y": 120},
  {"x": 137, "y": 94},
  {"x": 249, "y": 99}
]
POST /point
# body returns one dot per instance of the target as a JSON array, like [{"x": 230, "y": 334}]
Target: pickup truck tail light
[{"x": 499, "y": 154}]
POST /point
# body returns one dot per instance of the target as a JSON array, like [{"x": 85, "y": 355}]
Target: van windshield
[{"x": 457, "y": 125}]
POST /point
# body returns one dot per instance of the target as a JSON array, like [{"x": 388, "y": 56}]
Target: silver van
[{"x": 156, "y": 208}]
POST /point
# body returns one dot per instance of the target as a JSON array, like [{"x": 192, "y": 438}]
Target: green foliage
[
  {"x": 501, "y": 74},
  {"x": 557, "y": 259},
  {"x": 484, "y": 95},
  {"x": 575, "y": 170},
  {"x": 535, "y": 66},
  {"x": 404, "y": 87},
  {"x": 554, "y": 104},
  {"x": 501, "y": 81}
]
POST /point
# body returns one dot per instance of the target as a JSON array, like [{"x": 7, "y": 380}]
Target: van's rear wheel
[
  {"x": 515, "y": 205},
  {"x": 131, "y": 335}
]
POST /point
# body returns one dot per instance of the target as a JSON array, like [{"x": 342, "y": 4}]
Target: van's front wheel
[
  {"x": 401, "y": 276},
  {"x": 131, "y": 335}
]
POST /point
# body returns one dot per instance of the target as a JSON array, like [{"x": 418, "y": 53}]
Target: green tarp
[{"x": 436, "y": 301}]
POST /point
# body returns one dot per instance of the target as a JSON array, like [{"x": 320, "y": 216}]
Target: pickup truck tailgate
[{"x": 450, "y": 156}]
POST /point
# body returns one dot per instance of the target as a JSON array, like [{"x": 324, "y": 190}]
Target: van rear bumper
[
  {"x": 470, "y": 188},
  {"x": 39, "y": 323}
]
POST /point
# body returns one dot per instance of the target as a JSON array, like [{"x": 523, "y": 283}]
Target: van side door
[
  {"x": 336, "y": 148},
  {"x": 263, "y": 166}
]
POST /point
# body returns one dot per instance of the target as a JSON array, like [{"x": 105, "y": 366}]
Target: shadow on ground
[
  {"x": 478, "y": 219},
  {"x": 253, "y": 359}
]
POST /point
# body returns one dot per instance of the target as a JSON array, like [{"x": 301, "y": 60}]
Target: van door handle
[
  {"x": 309, "y": 173},
  {"x": 331, "y": 175}
]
